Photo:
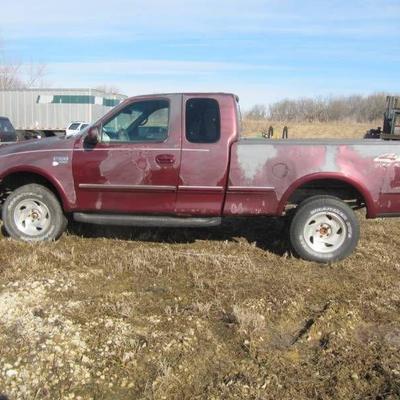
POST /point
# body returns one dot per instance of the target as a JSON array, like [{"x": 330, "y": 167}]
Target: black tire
[
  {"x": 334, "y": 238},
  {"x": 43, "y": 221}
]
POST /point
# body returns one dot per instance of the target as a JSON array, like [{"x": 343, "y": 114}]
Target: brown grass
[
  {"x": 224, "y": 313},
  {"x": 339, "y": 130}
]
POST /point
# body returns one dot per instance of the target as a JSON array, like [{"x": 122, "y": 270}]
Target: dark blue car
[{"x": 7, "y": 131}]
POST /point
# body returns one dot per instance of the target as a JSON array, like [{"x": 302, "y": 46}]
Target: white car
[{"x": 75, "y": 127}]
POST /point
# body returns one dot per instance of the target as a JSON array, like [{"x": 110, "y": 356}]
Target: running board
[{"x": 147, "y": 221}]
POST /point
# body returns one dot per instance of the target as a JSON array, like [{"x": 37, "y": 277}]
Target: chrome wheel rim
[
  {"x": 32, "y": 217},
  {"x": 325, "y": 232}
]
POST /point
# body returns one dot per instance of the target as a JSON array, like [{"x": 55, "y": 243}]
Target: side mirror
[{"x": 93, "y": 135}]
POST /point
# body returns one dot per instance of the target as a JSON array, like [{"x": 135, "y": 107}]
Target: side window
[
  {"x": 203, "y": 121},
  {"x": 145, "y": 121}
]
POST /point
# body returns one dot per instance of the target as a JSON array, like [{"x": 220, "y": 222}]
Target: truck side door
[
  {"x": 134, "y": 168},
  {"x": 209, "y": 128}
]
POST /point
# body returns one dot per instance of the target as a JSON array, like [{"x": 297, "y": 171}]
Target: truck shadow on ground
[{"x": 270, "y": 234}]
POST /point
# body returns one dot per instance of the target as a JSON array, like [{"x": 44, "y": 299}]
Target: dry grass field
[
  {"x": 298, "y": 130},
  {"x": 223, "y": 313}
]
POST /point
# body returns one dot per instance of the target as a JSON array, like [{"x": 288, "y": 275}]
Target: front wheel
[
  {"x": 33, "y": 213},
  {"x": 324, "y": 229}
]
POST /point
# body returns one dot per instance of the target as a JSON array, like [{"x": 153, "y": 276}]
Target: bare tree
[
  {"x": 9, "y": 77},
  {"x": 34, "y": 75},
  {"x": 351, "y": 108},
  {"x": 108, "y": 89},
  {"x": 258, "y": 111},
  {"x": 18, "y": 75}
]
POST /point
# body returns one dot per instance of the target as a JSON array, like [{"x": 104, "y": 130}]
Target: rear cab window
[{"x": 203, "y": 120}]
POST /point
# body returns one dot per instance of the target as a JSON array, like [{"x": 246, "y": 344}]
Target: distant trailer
[{"x": 48, "y": 112}]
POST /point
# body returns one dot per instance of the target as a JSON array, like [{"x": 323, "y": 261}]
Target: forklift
[{"x": 391, "y": 122}]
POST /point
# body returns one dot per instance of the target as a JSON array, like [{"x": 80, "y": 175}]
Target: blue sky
[{"x": 261, "y": 50}]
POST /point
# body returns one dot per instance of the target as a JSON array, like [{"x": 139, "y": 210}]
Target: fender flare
[
  {"x": 364, "y": 192},
  {"x": 43, "y": 174}
]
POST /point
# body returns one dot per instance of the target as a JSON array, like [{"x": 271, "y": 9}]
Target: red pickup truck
[{"x": 177, "y": 160}]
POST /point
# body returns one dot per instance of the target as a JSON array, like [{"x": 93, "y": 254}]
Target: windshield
[{"x": 74, "y": 126}]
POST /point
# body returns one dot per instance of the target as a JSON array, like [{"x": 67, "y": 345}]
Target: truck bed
[{"x": 271, "y": 171}]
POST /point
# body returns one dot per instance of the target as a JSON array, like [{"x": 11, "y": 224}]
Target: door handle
[{"x": 165, "y": 159}]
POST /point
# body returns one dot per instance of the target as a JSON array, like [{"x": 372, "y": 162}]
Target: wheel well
[
  {"x": 18, "y": 179},
  {"x": 332, "y": 187}
]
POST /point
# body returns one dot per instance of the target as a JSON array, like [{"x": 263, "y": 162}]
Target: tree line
[{"x": 356, "y": 108}]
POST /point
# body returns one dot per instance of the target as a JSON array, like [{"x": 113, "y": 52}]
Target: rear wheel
[
  {"x": 33, "y": 213},
  {"x": 324, "y": 229}
]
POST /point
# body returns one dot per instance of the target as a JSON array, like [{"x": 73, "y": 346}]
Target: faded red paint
[
  {"x": 129, "y": 164},
  {"x": 230, "y": 177}
]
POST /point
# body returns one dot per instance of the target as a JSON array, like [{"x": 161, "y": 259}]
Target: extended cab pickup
[{"x": 178, "y": 160}]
